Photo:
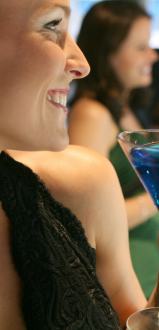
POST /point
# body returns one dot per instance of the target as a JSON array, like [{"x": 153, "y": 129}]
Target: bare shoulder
[
  {"x": 89, "y": 107},
  {"x": 80, "y": 178},
  {"x": 76, "y": 164},
  {"x": 92, "y": 125},
  {"x": 86, "y": 182}
]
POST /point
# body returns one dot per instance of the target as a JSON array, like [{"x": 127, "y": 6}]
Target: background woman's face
[
  {"x": 134, "y": 59},
  {"x": 38, "y": 61}
]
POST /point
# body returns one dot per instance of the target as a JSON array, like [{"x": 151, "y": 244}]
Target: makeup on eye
[
  {"x": 52, "y": 25},
  {"x": 49, "y": 20}
]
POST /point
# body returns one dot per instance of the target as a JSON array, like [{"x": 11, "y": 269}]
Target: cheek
[
  {"x": 127, "y": 70},
  {"x": 42, "y": 57},
  {"x": 128, "y": 67},
  {"x": 120, "y": 64},
  {"x": 122, "y": 67},
  {"x": 33, "y": 60}
]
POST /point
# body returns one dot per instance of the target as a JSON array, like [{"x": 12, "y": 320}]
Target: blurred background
[{"x": 80, "y": 8}]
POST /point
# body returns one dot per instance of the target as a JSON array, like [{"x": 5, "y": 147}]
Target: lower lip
[{"x": 58, "y": 105}]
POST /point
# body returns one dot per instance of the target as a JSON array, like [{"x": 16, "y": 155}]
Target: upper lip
[{"x": 59, "y": 90}]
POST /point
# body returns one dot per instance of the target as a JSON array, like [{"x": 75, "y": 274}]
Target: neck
[{"x": 124, "y": 97}]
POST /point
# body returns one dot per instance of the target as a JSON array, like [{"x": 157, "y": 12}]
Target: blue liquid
[{"x": 146, "y": 163}]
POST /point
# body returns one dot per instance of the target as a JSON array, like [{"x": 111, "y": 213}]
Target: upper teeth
[{"x": 58, "y": 98}]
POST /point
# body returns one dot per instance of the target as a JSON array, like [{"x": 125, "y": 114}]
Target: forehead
[
  {"x": 29, "y": 7},
  {"x": 140, "y": 29},
  {"x": 45, "y": 5}
]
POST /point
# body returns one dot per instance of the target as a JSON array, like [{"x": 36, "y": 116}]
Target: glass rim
[
  {"x": 120, "y": 137},
  {"x": 139, "y": 311}
]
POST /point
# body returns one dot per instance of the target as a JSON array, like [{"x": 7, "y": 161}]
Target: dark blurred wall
[{"x": 155, "y": 104}]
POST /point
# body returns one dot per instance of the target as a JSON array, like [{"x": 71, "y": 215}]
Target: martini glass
[
  {"x": 142, "y": 150},
  {"x": 146, "y": 319}
]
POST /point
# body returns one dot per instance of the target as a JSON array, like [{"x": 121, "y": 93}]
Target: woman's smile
[
  {"x": 41, "y": 59},
  {"x": 58, "y": 98},
  {"x": 134, "y": 59}
]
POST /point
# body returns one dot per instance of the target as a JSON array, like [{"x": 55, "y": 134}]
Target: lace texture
[{"x": 52, "y": 256}]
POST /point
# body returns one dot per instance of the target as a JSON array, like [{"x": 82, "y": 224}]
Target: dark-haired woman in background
[{"x": 115, "y": 40}]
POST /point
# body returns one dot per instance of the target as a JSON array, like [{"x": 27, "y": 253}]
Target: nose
[
  {"x": 76, "y": 64},
  {"x": 154, "y": 55}
]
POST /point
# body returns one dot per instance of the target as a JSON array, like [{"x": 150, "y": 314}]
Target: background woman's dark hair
[{"x": 103, "y": 30}]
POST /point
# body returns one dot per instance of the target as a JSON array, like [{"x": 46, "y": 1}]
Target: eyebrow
[{"x": 66, "y": 9}]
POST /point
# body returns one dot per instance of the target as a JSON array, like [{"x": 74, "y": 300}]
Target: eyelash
[{"x": 52, "y": 25}]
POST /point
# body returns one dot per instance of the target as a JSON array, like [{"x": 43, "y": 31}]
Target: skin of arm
[
  {"x": 11, "y": 316},
  {"x": 134, "y": 213},
  {"x": 86, "y": 182},
  {"x": 91, "y": 125}
]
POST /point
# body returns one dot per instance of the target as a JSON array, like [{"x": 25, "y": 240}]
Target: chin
[
  {"x": 52, "y": 146},
  {"x": 59, "y": 148},
  {"x": 146, "y": 81},
  {"x": 57, "y": 141},
  {"x": 60, "y": 145},
  {"x": 142, "y": 84}
]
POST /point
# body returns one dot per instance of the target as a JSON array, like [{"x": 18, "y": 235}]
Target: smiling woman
[
  {"x": 36, "y": 57},
  {"x": 55, "y": 234}
]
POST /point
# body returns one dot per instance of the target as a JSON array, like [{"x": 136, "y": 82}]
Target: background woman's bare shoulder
[
  {"x": 89, "y": 108},
  {"x": 92, "y": 125}
]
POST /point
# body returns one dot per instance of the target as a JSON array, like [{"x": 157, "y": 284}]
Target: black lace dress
[{"x": 52, "y": 256}]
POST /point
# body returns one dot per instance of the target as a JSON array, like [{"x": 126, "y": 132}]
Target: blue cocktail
[{"x": 142, "y": 150}]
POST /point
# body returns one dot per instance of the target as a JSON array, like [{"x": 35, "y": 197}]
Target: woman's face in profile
[
  {"x": 134, "y": 59},
  {"x": 38, "y": 61}
]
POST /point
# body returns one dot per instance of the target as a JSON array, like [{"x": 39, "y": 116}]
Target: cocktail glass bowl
[
  {"x": 146, "y": 319},
  {"x": 142, "y": 149}
]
